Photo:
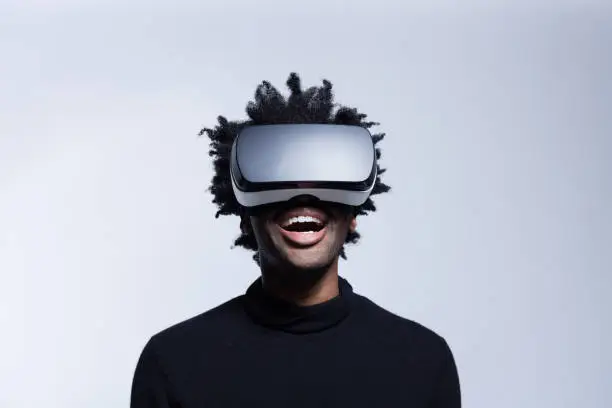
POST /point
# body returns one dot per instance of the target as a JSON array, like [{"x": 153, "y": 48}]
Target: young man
[{"x": 300, "y": 336}]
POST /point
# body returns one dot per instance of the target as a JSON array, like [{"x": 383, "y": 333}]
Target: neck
[{"x": 303, "y": 288}]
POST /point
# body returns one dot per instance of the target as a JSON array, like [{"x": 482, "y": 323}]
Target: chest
[{"x": 309, "y": 372}]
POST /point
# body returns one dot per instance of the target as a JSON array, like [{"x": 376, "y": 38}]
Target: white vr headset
[{"x": 275, "y": 163}]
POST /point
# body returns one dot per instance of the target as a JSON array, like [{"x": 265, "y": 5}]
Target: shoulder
[
  {"x": 171, "y": 355},
  {"x": 207, "y": 327},
  {"x": 402, "y": 332}
]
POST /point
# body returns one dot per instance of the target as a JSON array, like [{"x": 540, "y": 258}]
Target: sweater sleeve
[
  {"x": 447, "y": 392},
  {"x": 150, "y": 386}
]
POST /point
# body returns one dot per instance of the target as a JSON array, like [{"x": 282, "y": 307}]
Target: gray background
[{"x": 497, "y": 234}]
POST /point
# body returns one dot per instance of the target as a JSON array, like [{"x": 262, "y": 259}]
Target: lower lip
[{"x": 303, "y": 239}]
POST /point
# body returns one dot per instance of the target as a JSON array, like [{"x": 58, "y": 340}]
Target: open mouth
[
  {"x": 303, "y": 226},
  {"x": 303, "y": 223}
]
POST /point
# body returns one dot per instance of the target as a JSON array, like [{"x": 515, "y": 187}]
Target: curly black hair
[{"x": 313, "y": 105}]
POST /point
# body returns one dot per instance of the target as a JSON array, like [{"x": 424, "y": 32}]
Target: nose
[{"x": 303, "y": 199}]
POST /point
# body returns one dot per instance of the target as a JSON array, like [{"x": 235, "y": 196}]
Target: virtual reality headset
[{"x": 276, "y": 163}]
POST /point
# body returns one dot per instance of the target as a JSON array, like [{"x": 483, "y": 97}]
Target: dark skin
[{"x": 304, "y": 275}]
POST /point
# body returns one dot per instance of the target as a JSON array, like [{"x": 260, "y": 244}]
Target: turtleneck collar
[{"x": 279, "y": 314}]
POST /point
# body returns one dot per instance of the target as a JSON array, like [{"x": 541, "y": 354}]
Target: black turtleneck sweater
[{"x": 258, "y": 351}]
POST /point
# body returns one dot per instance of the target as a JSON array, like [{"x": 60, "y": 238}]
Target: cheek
[
  {"x": 258, "y": 227},
  {"x": 342, "y": 226},
  {"x": 265, "y": 234}
]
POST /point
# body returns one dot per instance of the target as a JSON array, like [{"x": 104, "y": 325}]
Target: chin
[
  {"x": 308, "y": 264},
  {"x": 310, "y": 259}
]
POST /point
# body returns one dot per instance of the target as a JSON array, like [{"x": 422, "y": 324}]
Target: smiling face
[{"x": 302, "y": 235}]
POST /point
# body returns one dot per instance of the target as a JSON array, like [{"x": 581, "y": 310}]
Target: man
[{"x": 300, "y": 336}]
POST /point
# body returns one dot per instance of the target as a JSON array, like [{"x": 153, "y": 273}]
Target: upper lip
[{"x": 285, "y": 215}]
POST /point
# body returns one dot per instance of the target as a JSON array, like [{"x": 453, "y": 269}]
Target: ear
[{"x": 353, "y": 224}]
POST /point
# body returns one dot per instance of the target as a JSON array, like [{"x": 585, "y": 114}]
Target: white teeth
[{"x": 303, "y": 218}]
